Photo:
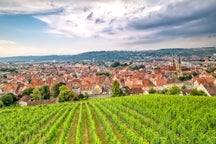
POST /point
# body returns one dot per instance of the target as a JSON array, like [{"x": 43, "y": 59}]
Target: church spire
[
  {"x": 179, "y": 60},
  {"x": 179, "y": 69}
]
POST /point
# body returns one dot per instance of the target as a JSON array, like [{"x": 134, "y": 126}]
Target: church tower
[
  {"x": 179, "y": 68},
  {"x": 172, "y": 69},
  {"x": 173, "y": 63}
]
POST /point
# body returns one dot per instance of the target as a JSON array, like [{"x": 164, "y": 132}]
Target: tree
[
  {"x": 29, "y": 80},
  {"x": 211, "y": 70},
  {"x": 194, "y": 74},
  {"x": 185, "y": 78},
  {"x": 28, "y": 91},
  {"x": 174, "y": 90},
  {"x": 45, "y": 91},
  {"x": 195, "y": 92},
  {"x": 56, "y": 90},
  {"x": 36, "y": 94},
  {"x": 1, "y": 104},
  {"x": 74, "y": 75},
  {"x": 136, "y": 67},
  {"x": 5, "y": 76},
  {"x": 116, "y": 90},
  {"x": 164, "y": 91},
  {"x": 65, "y": 94},
  {"x": 86, "y": 95},
  {"x": 124, "y": 64},
  {"x": 115, "y": 64},
  {"x": 126, "y": 90},
  {"x": 103, "y": 73},
  {"x": 183, "y": 87},
  {"x": 7, "y": 99},
  {"x": 152, "y": 91},
  {"x": 157, "y": 68},
  {"x": 81, "y": 96}
]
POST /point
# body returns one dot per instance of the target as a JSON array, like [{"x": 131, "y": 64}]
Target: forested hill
[{"x": 115, "y": 55}]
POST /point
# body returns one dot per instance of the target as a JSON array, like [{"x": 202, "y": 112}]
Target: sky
[{"x": 67, "y": 27}]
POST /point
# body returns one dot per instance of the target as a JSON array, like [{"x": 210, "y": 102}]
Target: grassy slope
[{"x": 131, "y": 119}]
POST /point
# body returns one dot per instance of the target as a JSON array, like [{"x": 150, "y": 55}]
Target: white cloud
[
  {"x": 6, "y": 42},
  {"x": 111, "y": 20},
  {"x": 31, "y": 6},
  {"x": 98, "y": 19}
]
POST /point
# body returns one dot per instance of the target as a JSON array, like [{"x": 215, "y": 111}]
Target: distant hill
[{"x": 115, "y": 55}]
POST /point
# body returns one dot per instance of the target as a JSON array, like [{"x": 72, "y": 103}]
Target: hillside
[
  {"x": 115, "y": 55},
  {"x": 126, "y": 120}
]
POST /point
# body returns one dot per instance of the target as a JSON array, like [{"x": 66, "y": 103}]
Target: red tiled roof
[
  {"x": 147, "y": 83},
  {"x": 25, "y": 98},
  {"x": 10, "y": 87},
  {"x": 137, "y": 90},
  {"x": 171, "y": 68},
  {"x": 211, "y": 89},
  {"x": 204, "y": 80},
  {"x": 160, "y": 82}
]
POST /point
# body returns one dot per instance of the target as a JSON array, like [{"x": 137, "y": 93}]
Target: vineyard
[{"x": 124, "y": 120}]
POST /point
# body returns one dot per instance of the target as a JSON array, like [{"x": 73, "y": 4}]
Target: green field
[{"x": 125, "y": 120}]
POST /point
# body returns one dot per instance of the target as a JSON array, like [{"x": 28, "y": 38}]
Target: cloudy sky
[{"x": 44, "y": 27}]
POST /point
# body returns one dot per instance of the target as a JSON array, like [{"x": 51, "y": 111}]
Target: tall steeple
[
  {"x": 179, "y": 60},
  {"x": 173, "y": 62},
  {"x": 178, "y": 68}
]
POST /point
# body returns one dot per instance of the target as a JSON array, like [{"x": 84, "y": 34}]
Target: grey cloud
[
  {"x": 109, "y": 31},
  {"x": 89, "y": 17},
  {"x": 99, "y": 21},
  {"x": 203, "y": 26},
  {"x": 170, "y": 24},
  {"x": 174, "y": 15},
  {"x": 212, "y": 36},
  {"x": 7, "y": 3},
  {"x": 179, "y": 19},
  {"x": 85, "y": 9},
  {"x": 111, "y": 21}
]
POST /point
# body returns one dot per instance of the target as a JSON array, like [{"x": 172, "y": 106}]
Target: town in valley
[{"x": 96, "y": 78}]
